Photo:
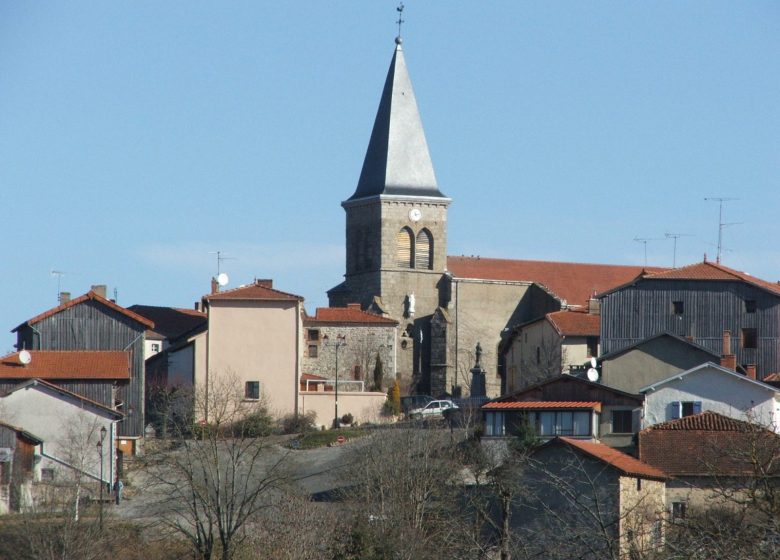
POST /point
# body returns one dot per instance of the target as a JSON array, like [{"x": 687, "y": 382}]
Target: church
[{"x": 397, "y": 263}]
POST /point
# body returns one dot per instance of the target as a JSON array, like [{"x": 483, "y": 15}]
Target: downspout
[
  {"x": 207, "y": 307},
  {"x": 457, "y": 330}
]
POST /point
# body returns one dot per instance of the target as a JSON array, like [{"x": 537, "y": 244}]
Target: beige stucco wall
[
  {"x": 258, "y": 341},
  {"x": 364, "y": 407}
]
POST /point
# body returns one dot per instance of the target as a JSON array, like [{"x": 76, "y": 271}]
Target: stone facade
[{"x": 356, "y": 357}]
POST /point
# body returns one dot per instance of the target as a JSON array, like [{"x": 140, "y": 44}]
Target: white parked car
[{"x": 432, "y": 410}]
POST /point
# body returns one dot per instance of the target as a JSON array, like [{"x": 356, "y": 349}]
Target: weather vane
[{"x": 400, "y": 10}]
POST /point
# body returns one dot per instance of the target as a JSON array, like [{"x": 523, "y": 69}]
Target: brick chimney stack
[
  {"x": 99, "y": 289},
  {"x": 750, "y": 369},
  {"x": 727, "y": 359},
  {"x": 214, "y": 286},
  {"x": 64, "y": 297}
]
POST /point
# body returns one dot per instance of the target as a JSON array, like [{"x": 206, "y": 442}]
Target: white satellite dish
[
  {"x": 593, "y": 362},
  {"x": 222, "y": 279},
  {"x": 593, "y": 374},
  {"x": 25, "y": 357}
]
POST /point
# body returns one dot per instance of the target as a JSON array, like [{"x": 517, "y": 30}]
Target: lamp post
[
  {"x": 100, "y": 451},
  {"x": 340, "y": 341}
]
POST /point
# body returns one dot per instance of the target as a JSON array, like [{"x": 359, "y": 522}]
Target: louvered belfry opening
[
  {"x": 403, "y": 248},
  {"x": 423, "y": 252}
]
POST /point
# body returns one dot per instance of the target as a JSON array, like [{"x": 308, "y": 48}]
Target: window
[
  {"x": 357, "y": 373},
  {"x": 593, "y": 346},
  {"x": 622, "y": 422},
  {"x": 679, "y": 509},
  {"x": 750, "y": 306},
  {"x": 313, "y": 350},
  {"x": 681, "y": 409},
  {"x": 403, "y": 248},
  {"x": 313, "y": 335},
  {"x": 561, "y": 423},
  {"x": 494, "y": 424},
  {"x": 638, "y": 484},
  {"x": 252, "y": 390},
  {"x": 678, "y": 307},
  {"x": 749, "y": 338},
  {"x": 47, "y": 475},
  {"x": 155, "y": 347},
  {"x": 423, "y": 254}
]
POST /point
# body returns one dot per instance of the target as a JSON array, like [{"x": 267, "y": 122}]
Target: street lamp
[
  {"x": 341, "y": 340},
  {"x": 100, "y": 451}
]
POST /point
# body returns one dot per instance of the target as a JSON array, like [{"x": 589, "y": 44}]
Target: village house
[
  {"x": 93, "y": 323},
  {"x": 566, "y": 406},
  {"x": 711, "y": 460},
  {"x": 714, "y": 388},
  {"x": 650, "y": 360},
  {"x": 589, "y": 500},
  {"x": 549, "y": 346},
  {"x": 69, "y": 427},
  {"x": 698, "y": 302}
]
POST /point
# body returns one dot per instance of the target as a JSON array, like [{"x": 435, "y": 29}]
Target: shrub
[
  {"x": 258, "y": 424},
  {"x": 347, "y": 419},
  {"x": 299, "y": 424}
]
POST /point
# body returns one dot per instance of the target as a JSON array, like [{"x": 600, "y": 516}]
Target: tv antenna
[
  {"x": 676, "y": 236},
  {"x": 221, "y": 257},
  {"x": 59, "y": 274},
  {"x": 644, "y": 241},
  {"x": 720, "y": 200}
]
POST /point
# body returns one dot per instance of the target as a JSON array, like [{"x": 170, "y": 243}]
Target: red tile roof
[
  {"x": 626, "y": 464},
  {"x": 710, "y": 271},
  {"x": 258, "y": 290},
  {"x": 575, "y": 323},
  {"x": 772, "y": 378},
  {"x": 574, "y": 282},
  {"x": 88, "y": 296},
  {"x": 350, "y": 314},
  {"x": 710, "y": 444},
  {"x": 74, "y": 364},
  {"x": 541, "y": 405}
]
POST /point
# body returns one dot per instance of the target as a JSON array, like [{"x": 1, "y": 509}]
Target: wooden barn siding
[
  {"x": 637, "y": 312},
  {"x": 93, "y": 326}
]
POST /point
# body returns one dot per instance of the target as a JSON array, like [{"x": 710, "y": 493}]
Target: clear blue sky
[{"x": 135, "y": 137}]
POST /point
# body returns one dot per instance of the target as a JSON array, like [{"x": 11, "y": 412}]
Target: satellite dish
[
  {"x": 593, "y": 363},
  {"x": 25, "y": 357},
  {"x": 593, "y": 374},
  {"x": 222, "y": 279}
]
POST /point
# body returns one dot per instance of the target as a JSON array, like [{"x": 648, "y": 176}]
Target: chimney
[
  {"x": 214, "y": 286},
  {"x": 726, "y": 350},
  {"x": 99, "y": 289},
  {"x": 197, "y": 306},
  {"x": 64, "y": 297},
  {"x": 265, "y": 283},
  {"x": 594, "y": 306},
  {"x": 729, "y": 361},
  {"x": 353, "y": 306},
  {"x": 750, "y": 369}
]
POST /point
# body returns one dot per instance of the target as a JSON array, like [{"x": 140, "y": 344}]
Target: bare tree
[{"x": 216, "y": 477}]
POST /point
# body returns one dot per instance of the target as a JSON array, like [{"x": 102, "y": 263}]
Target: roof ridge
[
  {"x": 611, "y": 456},
  {"x": 577, "y": 263}
]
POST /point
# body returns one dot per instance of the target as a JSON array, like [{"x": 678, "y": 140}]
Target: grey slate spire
[{"x": 397, "y": 160}]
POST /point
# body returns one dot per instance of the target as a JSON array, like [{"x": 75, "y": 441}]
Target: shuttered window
[
  {"x": 403, "y": 248},
  {"x": 422, "y": 250}
]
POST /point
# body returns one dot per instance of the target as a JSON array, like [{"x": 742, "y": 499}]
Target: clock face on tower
[{"x": 415, "y": 214}]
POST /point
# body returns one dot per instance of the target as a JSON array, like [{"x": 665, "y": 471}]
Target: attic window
[
  {"x": 749, "y": 338},
  {"x": 678, "y": 307},
  {"x": 750, "y": 306},
  {"x": 313, "y": 334}
]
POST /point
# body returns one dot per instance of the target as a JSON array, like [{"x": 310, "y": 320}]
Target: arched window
[
  {"x": 404, "y": 241},
  {"x": 423, "y": 253}
]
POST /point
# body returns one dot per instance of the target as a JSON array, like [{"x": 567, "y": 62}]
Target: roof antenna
[
  {"x": 220, "y": 257},
  {"x": 644, "y": 241},
  {"x": 400, "y": 10},
  {"x": 721, "y": 225},
  {"x": 676, "y": 236}
]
